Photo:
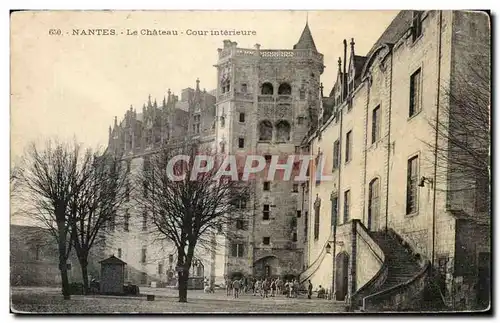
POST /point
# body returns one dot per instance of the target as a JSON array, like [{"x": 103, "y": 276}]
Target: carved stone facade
[{"x": 278, "y": 92}]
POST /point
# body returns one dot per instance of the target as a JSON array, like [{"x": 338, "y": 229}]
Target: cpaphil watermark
[{"x": 249, "y": 167}]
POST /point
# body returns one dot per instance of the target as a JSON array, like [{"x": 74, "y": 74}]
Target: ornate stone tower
[{"x": 267, "y": 101}]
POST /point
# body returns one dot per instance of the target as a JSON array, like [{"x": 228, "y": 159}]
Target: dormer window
[{"x": 417, "y": 24}]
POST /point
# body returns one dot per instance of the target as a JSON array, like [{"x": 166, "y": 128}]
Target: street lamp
[{"x": 328, "y": 248}]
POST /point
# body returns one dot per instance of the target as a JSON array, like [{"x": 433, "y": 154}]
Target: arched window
[
  {"x": 285, "y": 89},
  {"x": 267, "y": 89},
  {"x": 265, "y": 130},
  {"x": 373, "y": 203},
  {"x": 282, "y": 131}
]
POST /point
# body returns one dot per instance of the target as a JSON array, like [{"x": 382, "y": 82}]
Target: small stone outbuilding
[{"x": 112, "y": 275}]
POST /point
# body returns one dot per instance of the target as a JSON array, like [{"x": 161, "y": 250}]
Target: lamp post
[{"x": 334, "y": 231}]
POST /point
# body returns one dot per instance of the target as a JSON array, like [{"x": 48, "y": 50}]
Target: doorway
[{"x": 341, "y": 276}]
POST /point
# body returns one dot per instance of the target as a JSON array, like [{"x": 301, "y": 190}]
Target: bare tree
[
  {"x": 187, "y": 211},
  {"x": 49, "y": 178},
  {"x": 463, "y": 146},
  {"x": 95, "y": 205}
]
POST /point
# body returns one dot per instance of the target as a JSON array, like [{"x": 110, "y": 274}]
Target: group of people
[{"x": 266, "y": 287}]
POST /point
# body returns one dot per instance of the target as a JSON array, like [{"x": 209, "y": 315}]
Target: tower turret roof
[{"x": 306, "y": 40}]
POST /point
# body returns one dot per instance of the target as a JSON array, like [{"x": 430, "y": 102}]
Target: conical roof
[{"x": 306, "y": 40}]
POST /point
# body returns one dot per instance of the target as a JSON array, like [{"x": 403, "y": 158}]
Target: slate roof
[
  {"x": 359, "y": 63},
  {"x": 113, "y": 260},
  {"x": 396, "y": 29},
  {"x": 306, "y": 40}
]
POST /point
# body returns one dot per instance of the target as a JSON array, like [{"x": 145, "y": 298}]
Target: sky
[{"x": 69, "y": 86}]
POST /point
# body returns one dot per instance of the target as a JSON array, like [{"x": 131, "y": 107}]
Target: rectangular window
[
  {"x": 266, "y": 241},
  {"x": 126, "y": 221},
  {"x": 112, "y": 222},
  {"x": 316, "y": 222},
  {"x": 299, "y": 213},
  {"x": 144, "y": 220},
  {"x": 417, "y": 24},
  {"x": 347, "y": 205},
  {"x": 241, "y": 143},
  {"x": 300, "y": 120},
  {"x": 297, "y": 149},
  {"x": 267, "y": 158},
  {"x": 295, "y": 188},
  {"x": 160, "y": 268},
  {"x": 119, "y": 253},
  {"x": 376, "y": 124},
  {"x": 127, "y": 190},
  {"x": 146, "y": 166},
  {"x": 319, "y": 168},
  {"x": 415, "y": 93},
  {"x": 265, "y": 212},
  {"x": 306, "y": 224},
  {"x": 143, "y": 254},
  {"x": 267, "y": 186},
  {"x": 244, "y": 88},
  {"x": 237, "y": 250},
  {"x": 240, "y": 224},
  {"x": 335, "y": 205},
  {"x": 302, "y": 94},
  {"x": 294, "y": 237},
  {"x": 348, "y": 146},
  {"x": 241, "y": 204},
  {"x": 242, "y": 117},
  {"x": 144, "y": 278},
  {"x": 412, "y": 185},
  {"x": 336, "y": 154},
  {"x": 145, "y": 186},
  {"x": 37, "y": 252},
  {"x": 170, "y": 259}
]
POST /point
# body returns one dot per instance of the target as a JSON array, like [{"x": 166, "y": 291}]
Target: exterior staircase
[
  {"x": 407, "y": 285},
  {"x": 401, "y": 263}
]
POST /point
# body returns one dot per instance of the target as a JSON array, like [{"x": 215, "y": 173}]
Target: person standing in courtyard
[
  {"x": 258, "y": 287},
  {"x": 309, "y": 289},
  {"x": 273, "y": 287},
  {"x": 279, "y": 286},
  {"x": 229, "y": 286},
  {"x": 265, "y": 288},
  {"x": 236, "y": 288}
]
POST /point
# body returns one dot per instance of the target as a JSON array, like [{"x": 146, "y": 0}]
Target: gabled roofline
[{"x": 373, "y": 56}]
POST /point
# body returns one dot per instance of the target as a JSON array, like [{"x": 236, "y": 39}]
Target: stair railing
[{"x": 315, "y": 265}]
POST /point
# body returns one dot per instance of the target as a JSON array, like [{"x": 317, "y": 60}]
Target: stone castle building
[
  {"x": 265, "y": 103},
  {"x": 389, "y": 228},
  {"x": 395, "y": 223},
  {"x": 267, "y": 100},
  {"x": 136, "y": 137}
]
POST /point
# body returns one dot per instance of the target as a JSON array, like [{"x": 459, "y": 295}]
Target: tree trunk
[
  {"x": 63, "y": 267},
  {"x": 183, "y": 286},
  {"x": 85, "y": 276},
  {"x": 64, "y": 278}
]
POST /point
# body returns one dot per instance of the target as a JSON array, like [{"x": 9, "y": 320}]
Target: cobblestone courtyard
[{"x": 49, "y": 300}]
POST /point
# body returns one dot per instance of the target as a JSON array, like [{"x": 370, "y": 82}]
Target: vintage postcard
[{"x": 250, "y": 161}]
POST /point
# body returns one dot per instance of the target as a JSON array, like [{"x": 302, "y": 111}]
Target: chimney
[{"x": 344, "y": 72}]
